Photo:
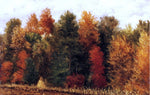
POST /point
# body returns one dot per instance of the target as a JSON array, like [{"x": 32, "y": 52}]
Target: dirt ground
[{"x": 27, "y": 91}]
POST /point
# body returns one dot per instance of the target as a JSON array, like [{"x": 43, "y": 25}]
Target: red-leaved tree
[
  {"x": 74, "y": 81},
  {"x": 6, "y": 69},
  {"x": 18, "y": 75},
  {"x": 97, "y": 68}
]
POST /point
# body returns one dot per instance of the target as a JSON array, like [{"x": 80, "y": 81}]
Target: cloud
[{"x": 126, "y": 11}]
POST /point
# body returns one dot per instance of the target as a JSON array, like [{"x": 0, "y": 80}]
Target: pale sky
[{"x": 126, "y": 11}]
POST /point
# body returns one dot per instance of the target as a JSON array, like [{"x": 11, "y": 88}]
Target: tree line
[{"x": 69, "y": 53}]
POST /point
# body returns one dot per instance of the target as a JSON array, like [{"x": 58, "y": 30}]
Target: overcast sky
[{"x": 126, "y": 11}]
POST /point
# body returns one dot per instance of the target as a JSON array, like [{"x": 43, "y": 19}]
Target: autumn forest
[{"x": 88, "y": 53}]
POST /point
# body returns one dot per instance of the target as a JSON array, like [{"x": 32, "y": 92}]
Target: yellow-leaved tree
[
  {"x": 88, "y": 30},
  {"x": 18, "y": 39},
  {"x": 143, "y": 59},
  {"x": 140, "y": 80},
  {"x": 122, "y": 54}
]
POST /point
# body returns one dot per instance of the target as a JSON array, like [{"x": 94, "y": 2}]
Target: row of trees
[{"x": 75, "y": 54}]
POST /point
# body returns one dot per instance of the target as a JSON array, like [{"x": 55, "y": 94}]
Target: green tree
[
  {"x": 2, "y": 46},
  {"x": 143, "y": 26},
  {"x": 39, "y": 52},
  {"x": 10, "y": 25},
  {"x": 18, "y": 39},
  {"x": 9, "y": 32},
  {"x": 107, "y": 26},
  {"x": 32, "y": 37},
  {"x": 131, "y": 35},
  {"x": 68, "y": 53},
  {"x": 42, "y": 57},
  {"x": 31, "y": 75}
]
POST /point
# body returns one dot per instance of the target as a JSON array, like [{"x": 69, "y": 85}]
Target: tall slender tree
[
  {"x": 140, "y": 80},
  {"x": 122, "y": 60},
  {"x": 9, "y": 32},
  {"x": 142, "y": 56},
  {"x": 106, "y": 27},
  {"x": 42, "y": 57},
  {"x": 31, "y": 75},
  {"x": 18, "y": 39},
  {"x": 97, "y": 68},
  {"x": 89, "y": 38},
  {"x": 88, "y": 30},
  {"x": 20, "y": 67}
]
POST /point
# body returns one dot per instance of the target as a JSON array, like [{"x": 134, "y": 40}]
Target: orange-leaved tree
[
  {"x": 88, "y": 31},
  {"x": 97, "y": 68},
  {"x": 6, "y": 70},
  {"x": 46, "y": 22},
  {"x": 21, "y": 66},
  {"x": 32, "y": 24}
]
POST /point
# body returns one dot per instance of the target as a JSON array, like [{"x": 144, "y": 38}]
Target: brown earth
[{"x": 5, "y": 90}]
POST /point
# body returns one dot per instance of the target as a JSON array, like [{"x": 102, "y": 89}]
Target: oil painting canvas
[{"x": 74, "y": 47}]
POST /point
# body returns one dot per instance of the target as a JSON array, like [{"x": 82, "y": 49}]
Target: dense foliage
[
  {"x": 71, "y": 53},
  {"x": 97, "y": 68}
]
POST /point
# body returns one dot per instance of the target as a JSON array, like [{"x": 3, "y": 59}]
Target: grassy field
[{"x": 33, "y": 90}]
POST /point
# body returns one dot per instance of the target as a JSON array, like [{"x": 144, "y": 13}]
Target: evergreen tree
[
  {"x": 42, "y": 55},
  {"x": 68, "y": 56},
  {"x": 106, "y": 27},
  {"x": 31, "y": 75}
]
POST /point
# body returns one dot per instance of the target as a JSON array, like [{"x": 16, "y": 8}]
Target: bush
[{"x": 74, "y": 81}]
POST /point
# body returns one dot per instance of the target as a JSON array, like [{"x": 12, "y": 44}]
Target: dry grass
[{"x": 63, "y": 91}]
